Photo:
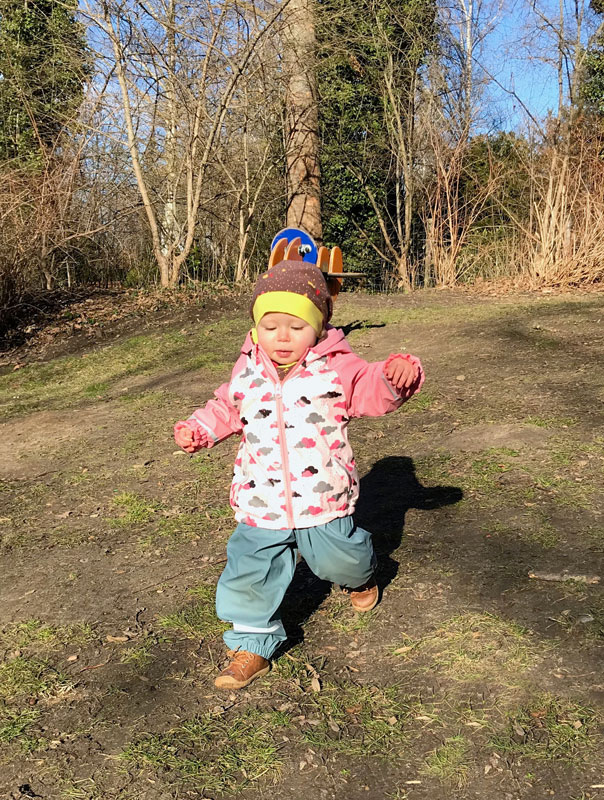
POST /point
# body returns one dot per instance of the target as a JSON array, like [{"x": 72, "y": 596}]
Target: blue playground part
[{"x": 308, "y": 248}]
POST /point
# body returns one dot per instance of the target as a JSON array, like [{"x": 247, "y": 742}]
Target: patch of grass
[
  {"x": 15, "y": 727},
  {"x": 23, "y": 678},
  {"x": 473, "y": 647},
  {"x": 551, "y": 422},
  {"x": 218, "y": 512},
  {"x": 133, "y": 442},
  {"x": 212, "y": 754},
  {"x": 356, "y": 720},
  {"x": 85, "y": 789},
  {"x": 434, "y": 468},
  {"x": 69, "y": 380},
  {"x": 536, "y": 528},
  {"x": 449, "y": 762},
  {"x": 96, "y": 390},
  {"x": 146, "y": 400},
  {"x": 175, "y": 530},
  {"x": 207, "y": 465},
  {"x": 198, "y": 621},
  {"x": 35, "y": 633},
  {"x": 341, "y": 616},
  {"x": 136, "y": 510},
  {"x": 419, "y": 402},
  {"x": 140, "y": 656},
  {"x": 548, "y": 728},
  {"x": 292, "y": 666}
]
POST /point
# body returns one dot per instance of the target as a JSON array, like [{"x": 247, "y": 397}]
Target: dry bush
[{"x": 565, "y": 244}]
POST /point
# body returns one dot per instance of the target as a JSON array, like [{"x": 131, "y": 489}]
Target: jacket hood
[{"x": 334, "y": 342}]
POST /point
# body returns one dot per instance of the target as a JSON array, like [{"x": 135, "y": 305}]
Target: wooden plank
[
  {"x": 336, "y": 264},
  {"x": 277, "y": 253},
  {"x": 293, "y": 251}
]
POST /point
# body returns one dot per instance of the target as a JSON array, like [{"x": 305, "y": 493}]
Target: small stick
[
  {"x": 564, "y": 576},
  {"x": 94, "y": 666}
]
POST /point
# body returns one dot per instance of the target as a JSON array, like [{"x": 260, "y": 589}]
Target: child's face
[{"x": 285, "y": 338}]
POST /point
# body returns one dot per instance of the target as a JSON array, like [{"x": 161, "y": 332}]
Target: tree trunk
[{"x": 302, "y": 122}]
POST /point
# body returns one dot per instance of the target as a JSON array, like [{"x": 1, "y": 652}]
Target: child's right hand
[{"x": 187, "y": 437}]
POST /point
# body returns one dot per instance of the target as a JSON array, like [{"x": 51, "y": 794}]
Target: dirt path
[{"x": 470, "y": 680}]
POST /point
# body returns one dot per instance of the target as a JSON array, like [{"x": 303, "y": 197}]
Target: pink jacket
[{"x": 295, "y": 467}]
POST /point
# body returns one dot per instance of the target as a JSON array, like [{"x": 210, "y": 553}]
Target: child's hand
[
  {"x": 186, "y": 437},
  {"x": 401, "y": 373}
]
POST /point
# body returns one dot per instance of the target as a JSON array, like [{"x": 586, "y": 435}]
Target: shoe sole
[{"x": 231, "y": 683}]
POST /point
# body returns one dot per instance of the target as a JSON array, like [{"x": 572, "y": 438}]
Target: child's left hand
[{"x": 401, "y": 373}]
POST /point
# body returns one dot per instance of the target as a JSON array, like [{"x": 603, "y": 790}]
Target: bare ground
[{"x": 470, "y": 680}]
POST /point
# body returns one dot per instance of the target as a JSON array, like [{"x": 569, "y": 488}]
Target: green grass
[
  {"x": 341, "y": 617},
  {"x": 568, "y": 474},
  {"x": 356, "y": 720},
  {"x": 449, "y": 762},
  {"x": 136, "y": 510},
  {"x": 551, "y": 422},
  {"x": 420, "y": 402},
  {"x": 473, "y": 647},
  {"x": 549, "y": 729},
  {"x": 15, "y": 725},
  {"x": 176, "y": 530},
  {"x": 23, "y": 678},
  {"x": 198, "y": 621},
  {"x": 141, "y": 655},
  {"x": 70, "y": 380},
  {"x": 535, "y": 528},
  {"x": 212, "y": 753},
  {"x": 84, "y": 789},
  {"x": 33, "y": 633}
]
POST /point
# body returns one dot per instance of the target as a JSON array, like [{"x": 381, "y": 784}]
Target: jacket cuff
[
  {"x": 419, "y": 378},
  {"x": 200, "y": 437}
]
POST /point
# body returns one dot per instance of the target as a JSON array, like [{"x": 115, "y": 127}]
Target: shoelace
[{"x": 242, "y": 657}]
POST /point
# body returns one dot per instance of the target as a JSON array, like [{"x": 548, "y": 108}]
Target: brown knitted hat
[{"x": 296, "y": 278}]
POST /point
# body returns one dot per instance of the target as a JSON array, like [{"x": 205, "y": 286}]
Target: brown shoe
[
  {"x": 243, "y": 669},
  {"x": 366, "y": 597}
]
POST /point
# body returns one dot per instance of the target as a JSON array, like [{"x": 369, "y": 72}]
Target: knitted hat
[{"x": 293, "y": 287}]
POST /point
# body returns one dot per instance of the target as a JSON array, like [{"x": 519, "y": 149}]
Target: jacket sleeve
[
  {"x": 219, "y": 418},
  {"x": 368, "y": 392}
]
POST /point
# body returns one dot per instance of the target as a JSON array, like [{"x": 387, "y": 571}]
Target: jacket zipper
[
  {"x": 277, "y": 385},
  {"x": 284, "y": 457}
]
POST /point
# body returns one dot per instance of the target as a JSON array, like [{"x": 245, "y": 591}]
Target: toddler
[{"x": 292, "y": 392}]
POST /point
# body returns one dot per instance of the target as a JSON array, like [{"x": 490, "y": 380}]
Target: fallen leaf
[{"x": 110, "y": 638}]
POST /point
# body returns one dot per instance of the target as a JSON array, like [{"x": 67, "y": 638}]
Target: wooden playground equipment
[{"x": 292, "y": 244}]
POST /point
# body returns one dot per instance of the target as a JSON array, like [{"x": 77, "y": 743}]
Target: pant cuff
[{"x": 263, "y": 646}]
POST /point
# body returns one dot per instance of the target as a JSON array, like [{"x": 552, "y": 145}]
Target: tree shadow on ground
[{"x": 387, "y": 492}]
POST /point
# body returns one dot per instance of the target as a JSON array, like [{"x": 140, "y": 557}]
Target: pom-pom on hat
[{"x": 293, "y": 287}]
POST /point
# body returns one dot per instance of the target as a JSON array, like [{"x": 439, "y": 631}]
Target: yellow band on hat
[{"x": 298, "y": 305}]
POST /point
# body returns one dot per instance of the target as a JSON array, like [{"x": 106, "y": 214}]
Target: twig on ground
[
  {"x": 94, "y": 666},
  {"x": 564, "y": 576}
]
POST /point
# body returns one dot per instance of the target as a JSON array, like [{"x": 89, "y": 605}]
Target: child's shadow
[{"x": 387, "y": 492}]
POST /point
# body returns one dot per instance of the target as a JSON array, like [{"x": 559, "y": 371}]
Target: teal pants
[{"x": 260, "y": 567}]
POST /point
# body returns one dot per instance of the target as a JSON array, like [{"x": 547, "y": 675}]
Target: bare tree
[{"x": 178, "y": 66}]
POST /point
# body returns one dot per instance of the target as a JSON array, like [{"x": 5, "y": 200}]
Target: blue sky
[{"x": 515, "y": 54}]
